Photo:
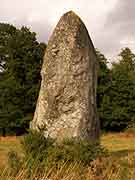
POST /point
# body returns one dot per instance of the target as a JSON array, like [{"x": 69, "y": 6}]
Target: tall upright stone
[{"x": 66, "y": 105}]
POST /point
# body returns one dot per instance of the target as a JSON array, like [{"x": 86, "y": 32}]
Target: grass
[
  {"x": 115, "y": 142},
  {"x": 8, "y": 144},
  {"x": 120, "y": 165}
]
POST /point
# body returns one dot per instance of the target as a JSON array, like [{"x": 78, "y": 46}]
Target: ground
[
  {"x": 117, "y": 143},
  {"x": 8, "y": 144},
  {"x": 121, "y": 147}
]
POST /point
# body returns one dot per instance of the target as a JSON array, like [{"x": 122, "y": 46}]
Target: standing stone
[{"x": 66, "y": 106}]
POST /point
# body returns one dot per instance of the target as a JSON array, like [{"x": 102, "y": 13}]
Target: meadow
[{"x": 119, "y": 164}]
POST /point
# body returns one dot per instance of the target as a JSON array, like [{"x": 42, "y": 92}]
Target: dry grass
[
  {"x": 8, "y": 144},
  {"x": 120, "y": 165},
  {"x": 100, "y": 169},
  {"x": 118, "y": 142}
]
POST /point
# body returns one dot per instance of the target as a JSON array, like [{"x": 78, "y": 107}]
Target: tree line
[
  {"x": 116, "y": 91},
  {"x": 21, "y": 58},
  {"x": 20, "y": 61}
]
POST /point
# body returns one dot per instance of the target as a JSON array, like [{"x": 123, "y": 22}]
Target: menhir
[{"x": 66, "y": 105}]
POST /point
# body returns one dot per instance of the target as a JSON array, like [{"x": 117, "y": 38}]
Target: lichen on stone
[{"x": 67, "y": 97}]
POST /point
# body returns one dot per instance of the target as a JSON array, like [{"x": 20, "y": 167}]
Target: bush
[
  {"x": 41, "y": 154},
  {"x": 35, "y": 143}
]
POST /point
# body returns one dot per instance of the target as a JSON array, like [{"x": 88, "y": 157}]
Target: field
[
  {"x": 8, "y": 144},
  {"x": 119, "y": 142},
  {"x": 121, "y": 147}
]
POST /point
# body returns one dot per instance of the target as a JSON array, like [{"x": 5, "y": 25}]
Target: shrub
[
  {"x": 35, "y": 144},
  {"x": 41, "y": 154}
]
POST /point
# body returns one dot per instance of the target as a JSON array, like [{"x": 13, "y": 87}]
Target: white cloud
[{"x": 98, "y": 16}]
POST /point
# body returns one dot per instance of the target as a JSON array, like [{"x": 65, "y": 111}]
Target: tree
[
  {"x": 103, "y": 86},
  {"x": 118, "y": 106},
  {"x": 6, "y": 31},
  {"x": 20, "y": 77}
]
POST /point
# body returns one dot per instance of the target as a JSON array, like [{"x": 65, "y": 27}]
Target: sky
[{"x": 111, "y": 23}]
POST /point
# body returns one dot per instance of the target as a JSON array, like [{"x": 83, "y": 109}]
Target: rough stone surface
[{"x": 66, "y": 106}]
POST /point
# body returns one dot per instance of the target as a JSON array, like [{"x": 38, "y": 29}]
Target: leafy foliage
[
  {"x": 117, "y": 106},
  {"x": 20, "y": 76},
  {"x": 104, "y": 84}
]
